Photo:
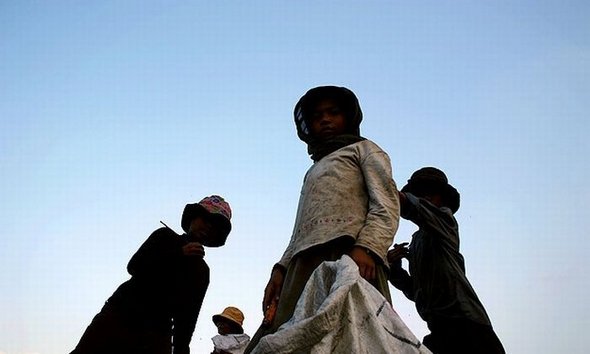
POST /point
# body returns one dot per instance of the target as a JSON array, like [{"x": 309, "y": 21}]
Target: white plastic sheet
[{"x": 340, "y": 312}]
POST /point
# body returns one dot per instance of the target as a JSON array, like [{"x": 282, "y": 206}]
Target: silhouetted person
[
  {"x": 155, "y": 311},
  {"x": 437, "y": 282}
]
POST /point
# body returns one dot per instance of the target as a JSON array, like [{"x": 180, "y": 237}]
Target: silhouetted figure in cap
[
  {"x": 155, "y": 311},
  {"x": 437, "y": 282}
]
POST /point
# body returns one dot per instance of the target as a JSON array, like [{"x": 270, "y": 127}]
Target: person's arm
[
  {"x": 288, "y": 253},
  {"x": 439, "y": 222},
  {"x": 272, "y": 293},
  {"x": 382, "y": 218},
  {"x": 156, "y": 253},
  {"x": 398, "y": 276},
  {"x": 274, "y": 286}
]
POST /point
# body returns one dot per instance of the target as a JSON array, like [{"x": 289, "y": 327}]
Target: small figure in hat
[
  {"x": 231, "y": 338},
  {"x": 438, "y": 285},
  {"x": 348, "y": 204},
  {"x": 155, "y": 311}
]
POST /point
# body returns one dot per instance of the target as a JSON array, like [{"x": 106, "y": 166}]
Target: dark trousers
[
  {"x": 461, "y": 336},
  {"x": 112, "y": 333}
]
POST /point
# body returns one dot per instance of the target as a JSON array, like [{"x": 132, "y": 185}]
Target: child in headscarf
[{"x": 348, "y": 205}]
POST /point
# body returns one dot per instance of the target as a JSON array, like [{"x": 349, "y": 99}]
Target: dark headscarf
[
  {"x": 431, "y": 180},
  {"x": 346, "y": 102}
]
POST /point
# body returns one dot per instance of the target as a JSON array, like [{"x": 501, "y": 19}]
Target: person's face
[
  {"x": 223, "y": 327},
  {"x": 201, "y": 229},
  {"x": 435, "y": 199},
  {"x": 327, "y": 120}
]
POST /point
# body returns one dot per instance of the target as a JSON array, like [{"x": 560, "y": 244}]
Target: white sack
[{"x": 340, "y": 312}]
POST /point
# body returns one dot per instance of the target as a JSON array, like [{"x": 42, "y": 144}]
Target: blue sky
[{"x": 114, "y": 114}]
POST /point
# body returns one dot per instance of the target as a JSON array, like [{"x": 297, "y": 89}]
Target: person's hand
[
  {"x": 272, "y": 292},
  {"x": 364, "y": 261},
  {"x": 395, "y": 255},
  {"x": 193, "y": 249}
]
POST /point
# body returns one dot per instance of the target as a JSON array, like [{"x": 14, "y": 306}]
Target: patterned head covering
[
  {"x": 216, "y": 205},
  {"x": 219, "y": 212}
]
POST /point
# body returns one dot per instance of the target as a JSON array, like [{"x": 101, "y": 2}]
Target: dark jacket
[
  {"x": 166, "y": 290},
  {"x": 438, "y": 284}
]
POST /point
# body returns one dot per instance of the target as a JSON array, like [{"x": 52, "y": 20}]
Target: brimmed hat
[
  {"x": 217, "y": 210},
  {"x": 430, "y": 180},
  {"x": 344, "y": 98},
  {"x": 233, "y": 315}
]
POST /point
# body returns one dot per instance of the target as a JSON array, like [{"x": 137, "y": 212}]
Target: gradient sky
[{"x": 115, "y": 114}]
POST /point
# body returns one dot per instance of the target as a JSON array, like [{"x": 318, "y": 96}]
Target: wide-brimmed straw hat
[
  {"x": 431, "y": 180},
  {"x": 234, "y": 316},
  {"x": 217, "y": 210}
]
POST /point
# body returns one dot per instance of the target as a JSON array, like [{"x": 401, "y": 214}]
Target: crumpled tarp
[{"x": 340, "y": 312}]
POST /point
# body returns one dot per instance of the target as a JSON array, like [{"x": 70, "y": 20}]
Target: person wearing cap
[
  {"x": 231, "y": 338},
  {"x": 348, "y": 204},
  {"x": 436, "y": 282},
  {"x": 155, "y": 311}
]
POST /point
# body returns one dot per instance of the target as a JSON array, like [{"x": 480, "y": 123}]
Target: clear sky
[{"x": 115, "y": 114}]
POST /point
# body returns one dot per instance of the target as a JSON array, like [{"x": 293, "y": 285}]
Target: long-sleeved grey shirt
[
  {"x": 438, "y": 284},
  {"x": 349, "y": 192}
]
